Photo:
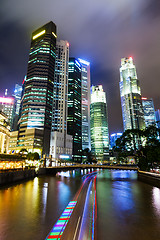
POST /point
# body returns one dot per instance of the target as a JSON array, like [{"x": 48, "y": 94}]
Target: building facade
[
  {"x": 113, "y": 138},
  {"x": 158, "y": 117},
  {"x": 132, "y": 110},
  {"x": 61, "y": 142},
  {"x": 74, "y": 118},
  {"x": 149, "y": 112},
  {"x": 17, "y": 97},
  {"x": 4, "y": 133},
  {"x": 8, "y": 108},
  {"x": 86, "y": 85},
  {"x": 37, "y": 99},
  {"x": 99, "y": 124}
]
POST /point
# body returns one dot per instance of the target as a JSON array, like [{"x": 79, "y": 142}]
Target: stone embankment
[
  {"x": 150, "y": 178},
  {"x": 12, "y": 176}
]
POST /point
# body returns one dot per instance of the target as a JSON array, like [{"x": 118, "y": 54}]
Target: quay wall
[
  {"x": 150, "y": 178},
  {"x": 12, "y": 176},
  {"x": 15, "y": 176}
]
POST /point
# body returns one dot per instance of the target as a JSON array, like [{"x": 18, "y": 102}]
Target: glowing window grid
[{"x": 58, "y": 229}]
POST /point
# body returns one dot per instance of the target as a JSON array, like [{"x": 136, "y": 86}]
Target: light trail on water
[{"x": 59, "y": 227}]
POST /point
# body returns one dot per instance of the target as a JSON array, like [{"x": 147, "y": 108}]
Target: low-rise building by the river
[
  {"x": 31, "y": 140},
  {"x": 4, "y": 133}
]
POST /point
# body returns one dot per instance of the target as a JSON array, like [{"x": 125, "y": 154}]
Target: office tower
[
  {"x": 149, "y": 112},
  {"x": 158, "y": 117},
  {"x": 85, "y": 76},
  {"x": 99, "y": 124},
  {"x": 113, "y": 138},
  {"x": 132, "y": 110},
  {"x": 61, "y": 142},
  {"x": 74, "y": 118},
  {"x": 7, "y": 107},
  {"x": 17, "y": 96},
  {"x": 36, "y": 114}
]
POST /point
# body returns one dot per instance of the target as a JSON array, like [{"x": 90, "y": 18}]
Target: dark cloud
[{"x": 101, "y": 32}]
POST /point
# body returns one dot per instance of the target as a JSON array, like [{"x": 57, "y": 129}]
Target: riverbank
[
  {"x": 150, "y": 178},
  {"x": 13, "y": 176}
]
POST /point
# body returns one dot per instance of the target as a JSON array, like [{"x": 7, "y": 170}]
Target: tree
[
  {"x": 86, "y": 153},
  {"x": 33, "y": 156},
  {"x": 23, "y": 151},
  {"x": 143, "y": 144}
]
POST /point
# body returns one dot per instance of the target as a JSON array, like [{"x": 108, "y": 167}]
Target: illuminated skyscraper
[
  {"x": 17, "y": 96},
  {"x": 149, "y": 112},
  {"x": 113, "y": 138},
  {"x": 132, "y": 110},
  {"x": 85, "y": 104},
  {"x": 99, "y": 123},
  {"x": 158, "y": 117},
  {"x": 74, "y": 118},
  {"x": 7, "y": 107},
  {"x": 38, "y": 92},
  {"x": 61, "y": 142}
]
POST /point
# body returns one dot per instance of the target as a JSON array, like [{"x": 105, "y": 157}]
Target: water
[{"x": 127, "y": 208}]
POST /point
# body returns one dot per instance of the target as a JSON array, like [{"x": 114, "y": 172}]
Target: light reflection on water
[
  {"x": 127, "y": 209},
  {"x": 122, "y": 196},
  {"x": 44, "y": 197},
  {"x": 156, "y": 199}
]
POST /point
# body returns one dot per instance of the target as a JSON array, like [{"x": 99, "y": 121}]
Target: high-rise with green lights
[
  {"x": 99, "y": 124},
  {"x": 74, "y": 118},
  {"x": 132, "y": 110}
]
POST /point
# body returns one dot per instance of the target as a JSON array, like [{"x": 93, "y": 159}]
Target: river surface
[{"x": 127, "y": 209}]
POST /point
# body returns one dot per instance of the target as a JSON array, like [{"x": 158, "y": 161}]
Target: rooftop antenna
[{"x": 6, "y": 92}]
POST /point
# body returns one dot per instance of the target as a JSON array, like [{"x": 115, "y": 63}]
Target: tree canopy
[{"x": 144, "y": 145}]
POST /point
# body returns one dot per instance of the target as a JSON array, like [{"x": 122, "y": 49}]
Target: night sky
[{"x": 100, "y": 31}]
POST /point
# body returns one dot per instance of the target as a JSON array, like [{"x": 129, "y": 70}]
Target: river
[{"x": 127, "y": 209}]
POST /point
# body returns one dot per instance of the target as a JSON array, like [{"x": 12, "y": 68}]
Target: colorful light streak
[
  {"x": 94, "y": 216},
  {"x": 58, "y": 229}
]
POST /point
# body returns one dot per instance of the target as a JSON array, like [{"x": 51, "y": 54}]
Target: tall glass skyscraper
[
  {"x": 149, "y": 112},
  {"x": 86, "y": 84},
  {"x": 38, "y": 92},
  {"x": 17, "y": 95},
  {"x": 158, "y": 117},
  {"x": 61, "y": 142},
  {"x": 74, "y": 118},
  {"x": 113, "y": 138},
  {"x": 132, "y": 110},
  {"x": 7, "y": 107},
  {"x": 99, "y": 124}
]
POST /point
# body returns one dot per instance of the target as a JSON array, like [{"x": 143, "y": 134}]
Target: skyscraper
[
  {"x": 149, "y": 111},
  {"x": 61, "y": 142},
  {"x": 113, "y": 138},
  {"x": 74, "y": 118},
  {"x": 132, "y": 110},
  {"x": 99, "y": 123},
  {"x": 158, "y": 117},
  {"x": 7, "y": 107},
  {"x": 85, "y": 103},
  {"x": 38, "y": 93},
  {"x": 17, "y": 95}
]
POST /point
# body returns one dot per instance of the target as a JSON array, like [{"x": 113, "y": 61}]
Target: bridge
[{"x": 54, "y": 170}]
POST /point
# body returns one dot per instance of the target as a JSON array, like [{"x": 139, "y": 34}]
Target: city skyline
[{"x": 103, "y": 49}]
